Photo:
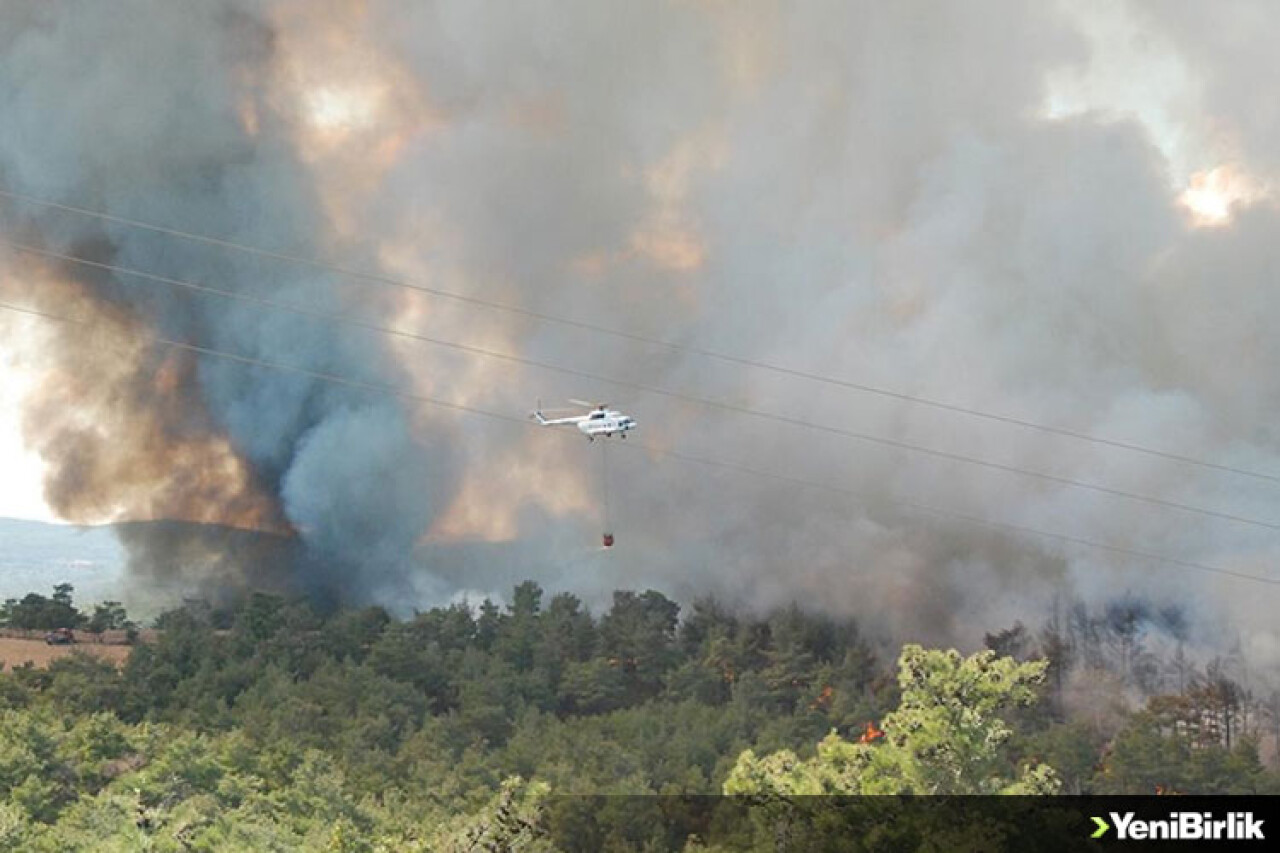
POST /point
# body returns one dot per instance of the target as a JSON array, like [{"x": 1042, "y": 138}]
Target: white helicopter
[{"x": 601, "y": 420}]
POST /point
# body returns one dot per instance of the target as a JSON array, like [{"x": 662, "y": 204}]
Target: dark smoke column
[{"x": 166, "y": 113}]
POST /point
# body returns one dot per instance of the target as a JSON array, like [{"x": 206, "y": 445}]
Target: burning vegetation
[{"x": 870, "y": 734}]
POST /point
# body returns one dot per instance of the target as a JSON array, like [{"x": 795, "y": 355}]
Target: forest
[{"x": 271, "y": 725}]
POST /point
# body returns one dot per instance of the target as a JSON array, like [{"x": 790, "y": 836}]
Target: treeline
[
  {"x": 488, "y": 665},
  {"x": 270, "y": 725},
  {"x": 35, "y": 612},
  {"x": 1142, "y": 713}
]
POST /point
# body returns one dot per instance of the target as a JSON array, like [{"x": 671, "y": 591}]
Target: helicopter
[{"x": 600, "y": 421}]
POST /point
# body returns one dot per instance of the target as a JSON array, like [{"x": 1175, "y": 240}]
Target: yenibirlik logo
[{"x": 1183, "y": 826}]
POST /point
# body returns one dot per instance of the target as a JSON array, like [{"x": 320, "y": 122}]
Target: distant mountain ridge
[
  {"x": 35, "y": 555},
  {"x": 174, "y": 559}
]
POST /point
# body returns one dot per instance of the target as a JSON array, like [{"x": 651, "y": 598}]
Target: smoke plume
[{"x": 1060, "y": 215}]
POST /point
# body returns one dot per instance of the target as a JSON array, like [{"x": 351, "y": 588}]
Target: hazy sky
[{"x": 21, "y": 486}]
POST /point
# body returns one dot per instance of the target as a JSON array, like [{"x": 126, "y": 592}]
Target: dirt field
[{"x": 15, "y": 651}]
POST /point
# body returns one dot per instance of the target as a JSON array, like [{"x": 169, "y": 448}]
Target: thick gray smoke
[
  {"x": 917, "y": 196},
  {"x": 142, "y": 110}
]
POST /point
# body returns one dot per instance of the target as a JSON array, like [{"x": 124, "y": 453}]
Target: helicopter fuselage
[
  {"x": 606, "y": 423},
  {"x": 601, "y": 421}
]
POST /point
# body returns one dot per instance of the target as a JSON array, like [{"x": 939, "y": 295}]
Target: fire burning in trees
[{"x": 823, "y": 700}]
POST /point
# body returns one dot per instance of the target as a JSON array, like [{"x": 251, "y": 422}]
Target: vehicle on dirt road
[{"x": 60, "y": 637}]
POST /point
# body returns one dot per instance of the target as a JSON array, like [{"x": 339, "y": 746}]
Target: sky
[
  {"x": 1059, "y": 212},
  {"x": 21, "y": 486}
]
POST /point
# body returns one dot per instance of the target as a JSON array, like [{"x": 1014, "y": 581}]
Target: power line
[
  {"x": 390, "y": 390},
  {"x": 688, "y": 398},
  {"x": 390, "y": 281},
  {"x": 973, "y": 519}
]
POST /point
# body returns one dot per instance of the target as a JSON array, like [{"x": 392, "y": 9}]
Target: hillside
[
  {"x": 35, "y": 555},
  {"x": 271, "y": 725}
]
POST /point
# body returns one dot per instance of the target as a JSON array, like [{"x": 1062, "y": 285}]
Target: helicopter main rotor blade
[{"x": 588, "y": 405}]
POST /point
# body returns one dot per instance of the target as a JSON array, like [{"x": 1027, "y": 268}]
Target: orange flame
[
  {"x": 870, "y": 733},
  {"x": 824, "y": 699}
]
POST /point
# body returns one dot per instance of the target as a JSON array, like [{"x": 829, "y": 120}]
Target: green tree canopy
[{"x": 946, "y": 737}]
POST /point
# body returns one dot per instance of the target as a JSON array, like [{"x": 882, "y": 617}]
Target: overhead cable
[
  {"x": 756, "y": 364},
  {"x": 390, "y": 390},
  {"x": 832, "y": 429}
]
